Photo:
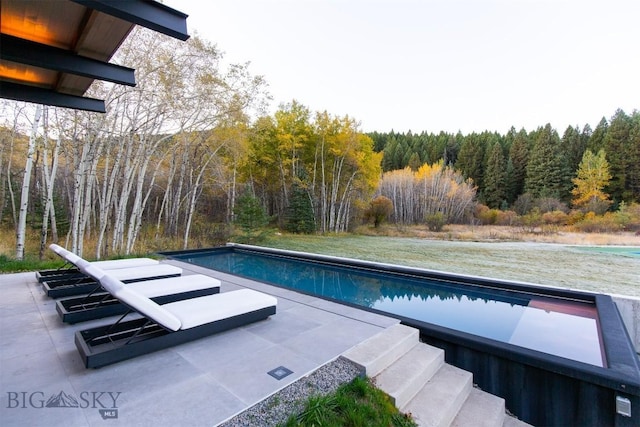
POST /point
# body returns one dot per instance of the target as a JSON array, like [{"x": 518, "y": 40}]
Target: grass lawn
[{"x": 560, "y": 265}]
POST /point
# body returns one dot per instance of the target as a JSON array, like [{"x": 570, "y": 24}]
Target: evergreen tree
[
  {"x": 616, "y": 145},
  {"x": 596, "y": 141},
  {"x": 517, "y": 165},
  {"x": 388, "y": 154},
  {"x": 470, "y": 160},
  {"x": 250, "y": 216},
  {"x": 379, "y": 140},
  {"x": 300, "y": 218},
  {"x": 574, "y": 145},
  {"x": 633, "y": 158},
  {"x": 452, "y": 149},
  {"x": 547, "y": 172},
  {"x": 402, "y": 154},
  {"x": 495, "y": 178},
  {"x": 414, "y": 162}
]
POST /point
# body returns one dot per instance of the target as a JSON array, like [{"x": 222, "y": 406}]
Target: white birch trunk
[
  {"x": 12, "y": 199},
  {"x": 121, "y": 204},
  {"x": 90, "y": 182},
  {"x": 166, "y": 199},
  {"x": 49, "y": 181},
  {"x": 192, "y": 203},
  {"x": 26, "y": 180}
]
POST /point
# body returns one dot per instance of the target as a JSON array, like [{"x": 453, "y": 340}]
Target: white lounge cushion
[
  {"x": 74, "y": 259},
  {"x": 93, "y": 272},
  {"x": 199, "y": 311},
  {"x": 57, "y": 249},
  {"x": 174, "y": 285},
  {"x": 111, "y": 284},
  {"x": 154, "y": 288},
  {"x": 105, "y": 265},
  {"x": 148, "y": 308},
  {"x": 124, "y": 263},
  {"x": 145, "y": 271}
]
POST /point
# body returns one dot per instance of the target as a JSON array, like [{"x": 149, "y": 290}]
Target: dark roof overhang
[{"x": 51, "y": 51}]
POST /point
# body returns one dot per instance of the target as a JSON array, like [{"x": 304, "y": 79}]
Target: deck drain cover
[{"x": 280, "y": 372}]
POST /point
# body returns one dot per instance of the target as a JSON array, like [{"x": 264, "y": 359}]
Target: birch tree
[
  {"x": 432, "y": 189},
  {"x": 14, "y": 144},
  {"x": 48, "y": 181},
  {"x": 26, "y": 181},
  {"x": 351, "y": 171},
  {"x": 180, "y": 93}
]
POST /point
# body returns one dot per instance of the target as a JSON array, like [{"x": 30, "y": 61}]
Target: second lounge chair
[
  {"x": 87, "y": 284},
  {"x": 167, "y": 325},
  {"x": 70, "y": 271},
  {"x": 162, "y": 291}
]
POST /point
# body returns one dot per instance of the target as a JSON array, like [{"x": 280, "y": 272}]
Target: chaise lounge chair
[
  {"x": 103, "y": 304},
  {"x": 86, "y": 284},
  {"x": 167, "y": 325},
  {"x": 70, "y": 271}
]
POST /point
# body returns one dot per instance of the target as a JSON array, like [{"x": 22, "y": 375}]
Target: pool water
[{"x": 561, "y": 327}]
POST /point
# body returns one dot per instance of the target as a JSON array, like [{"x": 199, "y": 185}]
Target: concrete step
[
  {"x": 481, "y": 410},
  {"x": 406, "y": 376},
  {"x": 440, "y": 400},
  {"x": 381, "y": 350},
  {"x": 510, "y": 421}
]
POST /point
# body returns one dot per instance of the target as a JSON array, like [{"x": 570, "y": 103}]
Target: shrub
[
  {"x": 555, "y": 218},
  {"x": 598, "y": 206},
  {"x": 506, "y": 218},
  {"x": 485, "y": 215},
  {"x": 532, "y": 220},
  {"x": 358, "y": 403},
  {"x": 633, "y": 211},
  {"x": 523, "y": 204},
  {"x": 628, "y": 216},
  {"x": 379, "y": 210},
  {"x": 436, "y": 221},
  {"x": 592, "y": 223},
  {"x": 550, "y": 204},
  {"x": 574, "y": 216}
]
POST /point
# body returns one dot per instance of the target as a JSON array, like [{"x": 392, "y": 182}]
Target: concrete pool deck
[{"x": 201, "y": 383}]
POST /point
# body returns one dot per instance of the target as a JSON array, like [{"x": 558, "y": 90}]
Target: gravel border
[{"x": 290, "y": 400}]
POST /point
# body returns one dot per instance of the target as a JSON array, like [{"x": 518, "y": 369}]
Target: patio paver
[{"x": 201, "y": 383}]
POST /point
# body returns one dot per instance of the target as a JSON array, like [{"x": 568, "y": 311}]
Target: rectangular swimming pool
[{"x": 485, "y": 326}]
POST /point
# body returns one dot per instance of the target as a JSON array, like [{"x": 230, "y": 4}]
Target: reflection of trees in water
[
  {"x": 357, "y": 288},
  {"x": 431, "y": 291}
]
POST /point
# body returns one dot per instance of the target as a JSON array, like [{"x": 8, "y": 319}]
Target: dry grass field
[{"x": 497, "y": 233}]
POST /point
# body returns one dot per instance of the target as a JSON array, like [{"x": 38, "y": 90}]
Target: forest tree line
[
  {"x": 191, "y": 145},
  {"x": 539, "y": 163}
]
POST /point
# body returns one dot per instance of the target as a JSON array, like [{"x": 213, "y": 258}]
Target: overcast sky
[{"x": 468, "y": 65}]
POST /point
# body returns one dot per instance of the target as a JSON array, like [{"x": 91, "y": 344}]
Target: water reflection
[{"x": 499, "y": 315}]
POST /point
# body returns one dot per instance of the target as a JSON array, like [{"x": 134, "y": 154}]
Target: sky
[{"x": 436, "y": 65}]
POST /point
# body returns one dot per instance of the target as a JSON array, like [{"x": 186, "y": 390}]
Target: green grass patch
[
  {"x": 11, "y": 265},
  {"x": 358, "y": 403},
  {"x": 32, "y": 263}
]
